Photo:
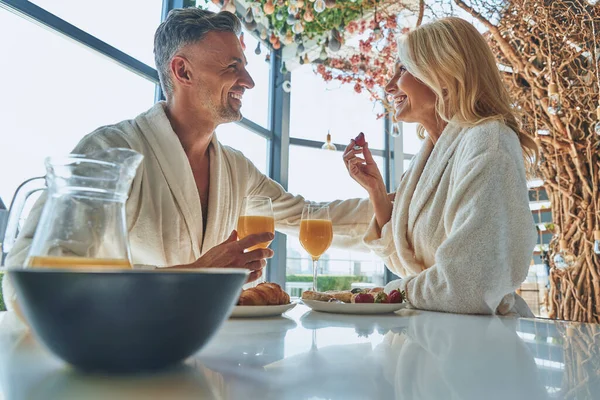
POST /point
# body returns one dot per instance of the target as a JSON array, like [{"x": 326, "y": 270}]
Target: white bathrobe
[
  {"x": 461, "y": 232},
  {"x": 164, "y": 216}
]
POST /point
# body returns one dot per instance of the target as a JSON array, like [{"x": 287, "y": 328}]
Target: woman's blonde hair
[{"x": 454, "y": 60}]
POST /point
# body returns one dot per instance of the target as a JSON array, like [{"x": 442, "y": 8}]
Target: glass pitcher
[{"x": 83, "y": 222}]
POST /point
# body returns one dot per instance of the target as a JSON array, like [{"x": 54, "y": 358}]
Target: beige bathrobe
[
  {"x": 164, "y": 216},
  {"x": 461, "y": 232}
]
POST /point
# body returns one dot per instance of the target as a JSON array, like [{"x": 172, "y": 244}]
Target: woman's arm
[
  {"x": 382, "y": 206},
  {"x": 365, "y": 171}
]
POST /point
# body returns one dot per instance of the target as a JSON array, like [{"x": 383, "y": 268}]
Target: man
[{"x": 186, "y": 197}]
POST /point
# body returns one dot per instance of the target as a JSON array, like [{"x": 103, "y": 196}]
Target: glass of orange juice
[
  {"x": 256, "y": 216},
  {"x": 316, "y": 233}
]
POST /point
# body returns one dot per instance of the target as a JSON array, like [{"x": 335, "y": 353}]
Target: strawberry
[
  {"x": 364, "y": 298},
  {"x": 360, "y": 140},
  {"x": 395, "y": 296},
  {"x": 381, "y": 297}
]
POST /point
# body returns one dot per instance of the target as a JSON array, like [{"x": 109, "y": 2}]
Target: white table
[{"x": 310, "y": 355}]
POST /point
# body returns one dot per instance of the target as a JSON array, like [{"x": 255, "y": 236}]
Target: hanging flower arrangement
[
  {"x": 327, "y": 25},
  {"x": 309, "y": 18},
  {"x": 324, "y": 22},
  {"x": 371, "y": 65},
  {"x": 289, "y": 21}
]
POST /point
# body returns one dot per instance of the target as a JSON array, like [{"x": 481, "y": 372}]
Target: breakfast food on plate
[
  {"x": 344, "y": 296},
  {"x": 381, "y": 297},
  {"x": 341, "y": 295},
  {"x": 265, "y": 294},
  {"x": 363, "y": 298},
  {"x": 319, "y": 296},
  {"x": 375, "y": 295},
  {"x": 396, "y": 296}
]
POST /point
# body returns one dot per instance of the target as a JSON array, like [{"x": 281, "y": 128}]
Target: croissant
[{"x": 265, "y": 294}]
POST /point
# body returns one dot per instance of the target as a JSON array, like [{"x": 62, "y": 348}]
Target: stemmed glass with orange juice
[
  {"x": 256, "y": 216},
  {"x": 316, "y": 233}
]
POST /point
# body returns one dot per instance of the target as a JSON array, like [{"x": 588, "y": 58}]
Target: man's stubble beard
[
  {"x": 228, "y": 114},
  {"x": 223, "y": 113}
]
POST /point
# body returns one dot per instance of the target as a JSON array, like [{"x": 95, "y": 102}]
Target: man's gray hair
[{"x": 182, "y": 27}]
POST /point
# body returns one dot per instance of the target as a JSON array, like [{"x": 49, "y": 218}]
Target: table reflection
[
  {"x": 28, "y": 371},
  {"x": 568, "y": 356},
  {"x": 252, "y": 343},
  {"x": 183, "y": 382},
  {"x": 363, "y": 325},
  {"x": 310, "y": 355},
  {"x": 444, "y": 356}
]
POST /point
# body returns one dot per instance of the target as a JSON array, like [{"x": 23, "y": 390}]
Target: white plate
[
  {"x": 260, "y": 311},
  {"x": 353, "y": 308}
]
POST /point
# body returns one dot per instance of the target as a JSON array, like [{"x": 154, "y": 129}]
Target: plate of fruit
[{"x": 355, "y": 301}]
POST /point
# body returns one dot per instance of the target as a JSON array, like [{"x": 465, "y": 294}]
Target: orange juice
[
  {"x": 248, "y": 225},
  {"x": 316, "y": 236},
  {"x": 77, "y": 262}
]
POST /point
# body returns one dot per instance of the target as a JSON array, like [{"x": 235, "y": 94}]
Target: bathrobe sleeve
[
  {"x": 490, "y": 239},
  {"x": 383, "y": 246},
  {"x": 350, "y": 218}
]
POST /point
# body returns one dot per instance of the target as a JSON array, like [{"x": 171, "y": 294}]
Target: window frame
[
  {"x": 38, "y": 15},
  {"x": 279, "y": 102}
]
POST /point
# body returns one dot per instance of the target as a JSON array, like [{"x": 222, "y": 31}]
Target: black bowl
[{"x": 126, "y": 321}]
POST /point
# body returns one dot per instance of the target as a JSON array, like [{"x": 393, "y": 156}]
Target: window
[
  {"x": 320, "y": 175},
  {"x": 252, "y": 145},
  {"x": 127, "y": 25},
  {"x": 327, "y": 180},
  {"x": 256, "y": 100},
  {"x": 255, "y": 105},
  {"x": 318, "y": 106},
  {"x": 58, "y": 92},
  {"x": 61, "y": 90}
]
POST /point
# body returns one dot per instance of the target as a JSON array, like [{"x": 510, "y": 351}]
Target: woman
[{"x": 459, "y": 231}]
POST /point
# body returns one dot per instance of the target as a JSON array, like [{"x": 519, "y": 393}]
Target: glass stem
[{"x": 315, "y": 263}]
